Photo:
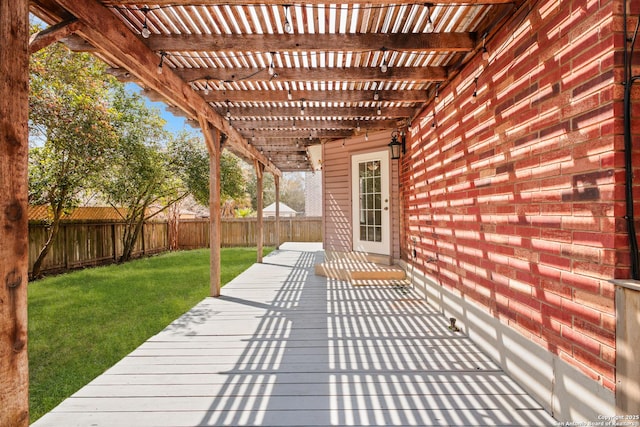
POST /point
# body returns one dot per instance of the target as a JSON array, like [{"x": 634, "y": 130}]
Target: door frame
[{"x": 384, "y": 246}]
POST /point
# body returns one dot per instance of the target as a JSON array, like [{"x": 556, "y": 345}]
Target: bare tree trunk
[
  {"x": 131, "y": 233},
  {"x": 53, "y": 233},
  {"x": 173, "y": 226},
  {"x": 14, "y": 227}
]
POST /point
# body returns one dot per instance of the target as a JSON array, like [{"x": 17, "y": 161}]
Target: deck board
[{"x": 284, "y": 347}]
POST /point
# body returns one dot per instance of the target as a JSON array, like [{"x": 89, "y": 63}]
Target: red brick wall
[{"x": 520, "y": 196}]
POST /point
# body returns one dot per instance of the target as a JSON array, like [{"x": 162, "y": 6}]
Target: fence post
[
  {"x": 65, "y": 243},
  {"x": 143, "y": 245},
  {"x": 113, "y": 242}
]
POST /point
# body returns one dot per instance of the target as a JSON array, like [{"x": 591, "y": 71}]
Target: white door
[{"x": 370, "y": 196}]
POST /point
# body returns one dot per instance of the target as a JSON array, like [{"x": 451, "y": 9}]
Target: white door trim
[{"x": 377, "y": 219}]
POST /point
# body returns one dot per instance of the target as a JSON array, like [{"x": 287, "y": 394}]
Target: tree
[
  {"x": 268, "y": 190},
  {"x": 292, "y": 192},
  {"x": 69, "y": 122},
  {"x": 191, "y": 163},
  {"x": 140, "y": 175}
]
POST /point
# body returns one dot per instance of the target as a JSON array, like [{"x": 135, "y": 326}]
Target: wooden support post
[
  {"x": 14, "y": 228},
  {"x": 212, "y": 139},
  {"x": 276, "y": 178},
  {"x": 260, "y": 223}
]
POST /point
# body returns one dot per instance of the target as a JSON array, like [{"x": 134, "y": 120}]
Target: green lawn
[{"x": 83, "y": 322}]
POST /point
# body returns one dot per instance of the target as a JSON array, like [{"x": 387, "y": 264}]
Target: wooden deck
[{"x": 284, "y": 347}]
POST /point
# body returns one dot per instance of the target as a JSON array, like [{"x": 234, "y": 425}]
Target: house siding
[
  {"x": 336, "y": 176},
  {"x": 516, "y": 202}
]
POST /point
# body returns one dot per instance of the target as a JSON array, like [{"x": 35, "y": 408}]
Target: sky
[{"x": 174, "y": 124}]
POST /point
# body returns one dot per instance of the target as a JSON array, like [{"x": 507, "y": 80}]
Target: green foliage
[
  {"x": 244, "y": 212},
  {"x": 83, "y": 322},
  {"x": 268, "y": 190},
  {"x": 139, "y": 175},
  {"x": 70, "y": 122},
  {"x": 191, "y": 163},
  {"x": 70, "y": 125},
  {"x": 232, "y": 182}
]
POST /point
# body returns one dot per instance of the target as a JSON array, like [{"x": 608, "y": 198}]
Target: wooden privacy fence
[
  {"x": 194, "y": 233},
  {"x": 90, "y": 243}
]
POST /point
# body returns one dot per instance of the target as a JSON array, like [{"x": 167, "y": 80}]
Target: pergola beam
[
  {"x": 319, "y": 74},
  {"x": 54, "y": 33},
  {"x": 287, "y": 134},
  {"x": 310, "y": 111},
  {"x": 307, "y": 2},
  {"x": 360, "y": 42},
  {"x": 105, "y": 31},
  {"x": 351, "y": 96},
  {"x": 259, "y": 125}
]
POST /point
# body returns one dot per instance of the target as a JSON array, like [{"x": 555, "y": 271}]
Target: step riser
[
  {"x": 378, "y": 275},
  {"x": 359, "y": 257},
  {"x": 350, "y": 273}
]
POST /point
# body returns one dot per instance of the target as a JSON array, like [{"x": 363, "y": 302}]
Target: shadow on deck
[{"x": 283, "y": 346}]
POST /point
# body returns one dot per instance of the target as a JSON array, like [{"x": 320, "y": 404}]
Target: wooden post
[
  {"x": 260, "y": 225},
  {"x": 14, "y": 227},
  {"x": 276, "y": 178},
  {"x": 212, "y": 139}
]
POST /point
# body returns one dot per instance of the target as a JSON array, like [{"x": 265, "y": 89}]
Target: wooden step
[
  {"x": 359, "y": 256},
  {"x": 346, "y": 269}
]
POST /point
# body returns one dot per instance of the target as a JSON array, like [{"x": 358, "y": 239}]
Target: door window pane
[{"x": 370, "y": 201}]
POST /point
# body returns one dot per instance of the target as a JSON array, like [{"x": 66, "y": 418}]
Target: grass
[{"x": 82, "y": 323}]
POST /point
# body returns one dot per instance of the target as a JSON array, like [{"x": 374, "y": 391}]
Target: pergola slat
[{"x": 106, "y": 31}]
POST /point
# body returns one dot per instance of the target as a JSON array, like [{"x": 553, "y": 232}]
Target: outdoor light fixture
[
  {"x": 162, "y": 55},
  {"x": 302, "y": 108},
  {"x": 437, "y": 91},
  {"x": 379, "y": 111},
  {"x": 366, "y": 135},
  {"x": 394, "y": 146},
  {"x": 384, "y": 67},
  {"x": 358, "y": 126},
  {"x": 485, "y": 52},
  {"x": 287, "y": 26},
  {"x": 289, "y": 95},
  {"x": 272, "y": 68},
  {"x": 429, "y": 27},
  {"x": 376, "y": 95},
  {"x": 145, "y": 30}
]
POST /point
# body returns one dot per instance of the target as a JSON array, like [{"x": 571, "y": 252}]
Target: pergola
[{"x": 267, "y": 78}]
